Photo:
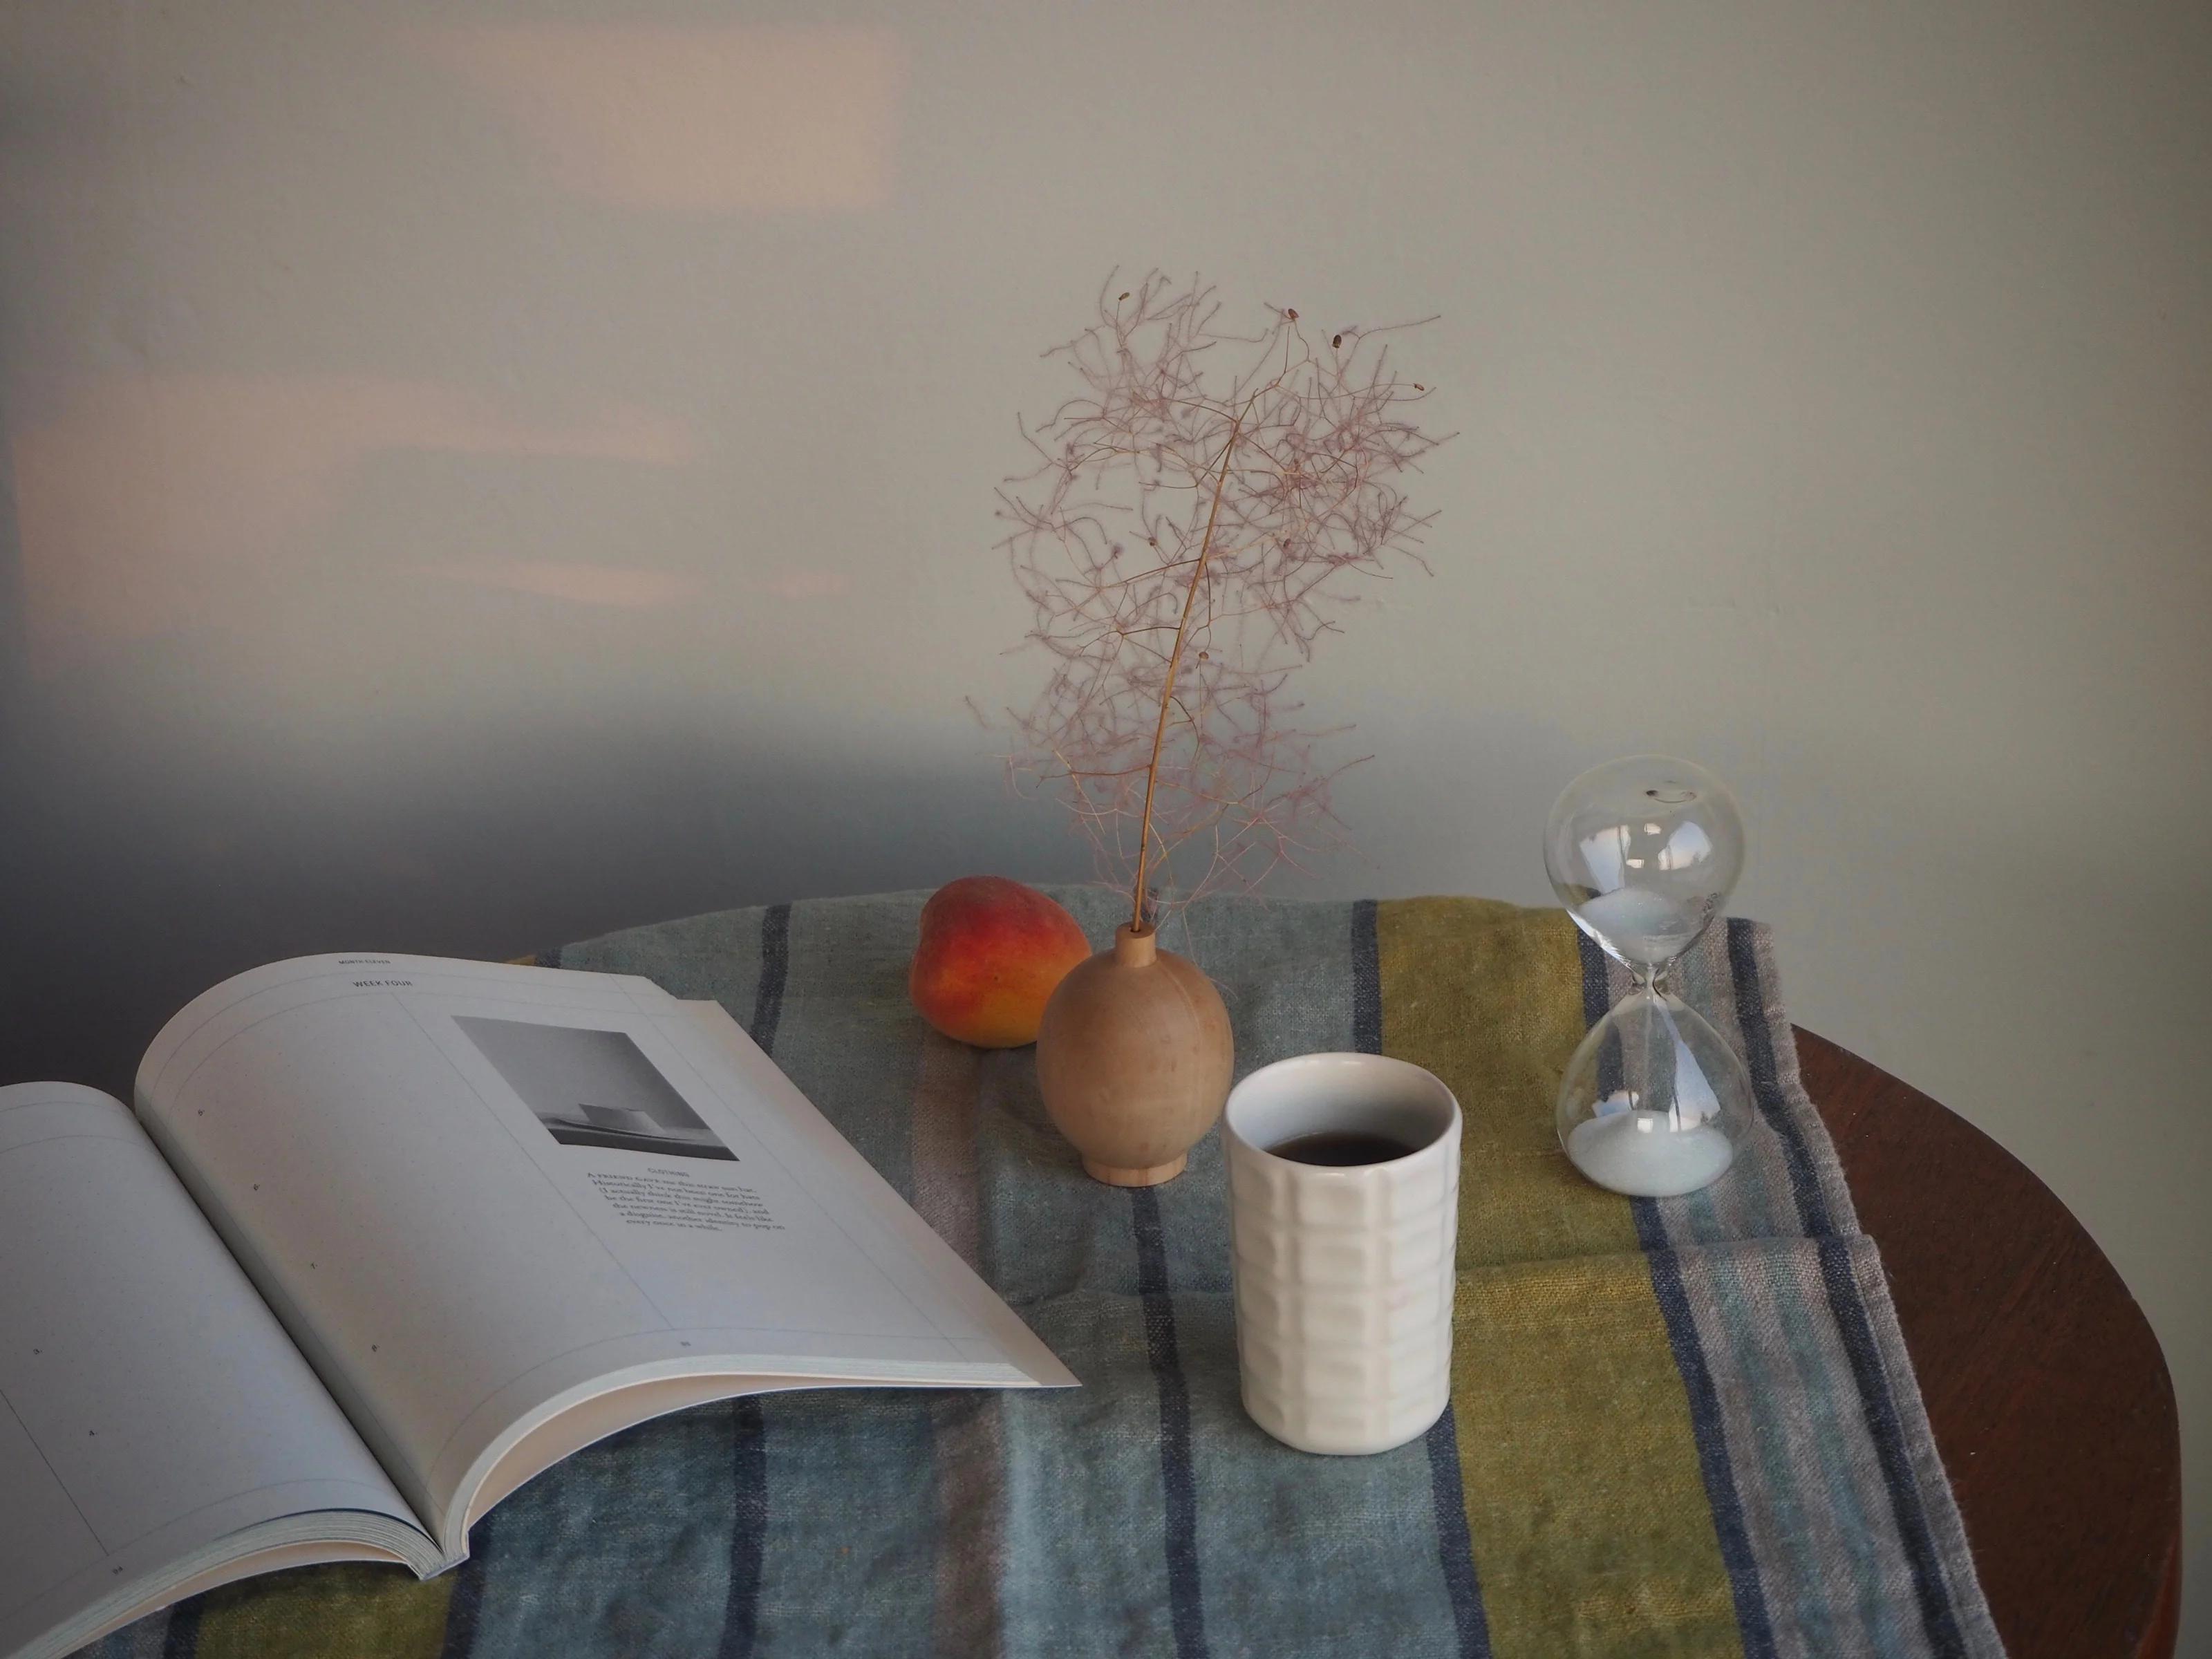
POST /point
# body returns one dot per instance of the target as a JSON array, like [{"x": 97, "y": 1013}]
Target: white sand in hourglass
[
  {"x": 1647, "y": 1154},
  {"x": 1634, "y": 1152}
]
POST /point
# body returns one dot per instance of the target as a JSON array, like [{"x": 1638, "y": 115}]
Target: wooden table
[{"x": 2046, "y": 1388}]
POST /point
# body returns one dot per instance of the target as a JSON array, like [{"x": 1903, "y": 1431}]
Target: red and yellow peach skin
[{"x": 992, "y": 952}]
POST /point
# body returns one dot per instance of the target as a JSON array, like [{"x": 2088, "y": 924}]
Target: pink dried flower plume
[{"x": 1201, "y": 511}]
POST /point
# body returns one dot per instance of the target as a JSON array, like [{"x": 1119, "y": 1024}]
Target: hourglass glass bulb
[{"x": 1644, "y": 852}]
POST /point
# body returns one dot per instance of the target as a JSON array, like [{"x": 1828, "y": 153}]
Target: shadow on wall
[{"x": 151, "y": 877}]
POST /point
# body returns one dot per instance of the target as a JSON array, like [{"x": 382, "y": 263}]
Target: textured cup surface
[{"x": 1344, "y": 1275}]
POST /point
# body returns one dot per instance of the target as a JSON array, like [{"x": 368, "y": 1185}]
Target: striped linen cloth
[{"x": 1685, "y": 1427}]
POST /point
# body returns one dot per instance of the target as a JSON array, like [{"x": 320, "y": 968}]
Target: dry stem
[
  {"x": 1175, "y": 661},
  {"x": 1259, "y": 494}
]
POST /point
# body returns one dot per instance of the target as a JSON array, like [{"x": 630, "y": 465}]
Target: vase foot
[{"x": 1151, "y": 1177}]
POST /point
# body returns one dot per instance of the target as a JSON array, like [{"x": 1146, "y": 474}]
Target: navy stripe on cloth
[
  {"x": 748, "y": 1527},
  {"x": 1754, "y": 1625},
  {"x": 776, "y": 968},
  {"x": 1597, "y": 991},
  {"x": 749, "y": 1427},
  {"x": 1937, "y": 1616},
  {"x": 1177, "y": 1478},
  {"x": 1366, "y": 980},
  {"x": 1454, "y": 1547},
  {"x": 466, "y": 1601},
  {"x": 1598, "y": 999},
  {"x": 1597, "y": 1002},
  {"x": 1844, "y": 1303},
  {"x": 1765, "y": 1081},
  {"x": 182, "y": 1635}
]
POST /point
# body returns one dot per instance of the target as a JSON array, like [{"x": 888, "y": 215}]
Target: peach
[{"x": 991, "y": 954}]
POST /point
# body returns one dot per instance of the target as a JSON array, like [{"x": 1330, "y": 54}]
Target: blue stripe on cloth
[
  {"x": 776, "y": 967},
  {"x": 1454, "y": 1547},
  {"x": 749, "y": 1528},
  {"x": 1177, "y": 1479},
  {"x": 1824, "y": 1551},
  {"x": 1086, "y": 1576},
  {"x": 1754, "y": 1625},
  {"x": 1765, "y": 1080},
  {"x": 1937, "y": 1616},
  {"x": 822, "y": 1571},
  {"x": 848, "y": 1555},
  {"x": 624, "y": 1548}
]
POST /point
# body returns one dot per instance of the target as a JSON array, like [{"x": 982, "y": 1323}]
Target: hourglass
[{"x": 1643, "y": 853}]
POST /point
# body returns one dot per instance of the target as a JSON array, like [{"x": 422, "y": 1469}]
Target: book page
[
  {"x": 887, "y": 1226},
  {"x": 150, "y": 1407},
  {"x": 479, "y": 1194}
]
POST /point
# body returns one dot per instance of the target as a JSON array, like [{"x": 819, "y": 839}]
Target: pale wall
[{"x": 484, "y": 474}]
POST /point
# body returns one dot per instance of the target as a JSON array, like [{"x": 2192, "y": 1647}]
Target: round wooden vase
[{"x": 1134, "y": 1060}]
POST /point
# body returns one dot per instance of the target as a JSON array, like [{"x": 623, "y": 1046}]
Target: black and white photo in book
[{"x": 592, "y": 1088}]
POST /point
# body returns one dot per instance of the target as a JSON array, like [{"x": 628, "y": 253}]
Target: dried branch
[{"x": 1184, "y": 541}]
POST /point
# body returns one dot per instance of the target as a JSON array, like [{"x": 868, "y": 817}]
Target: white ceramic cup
[{"x": 1344, "y": 1275}]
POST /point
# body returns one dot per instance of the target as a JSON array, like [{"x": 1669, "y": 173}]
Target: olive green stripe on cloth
[
  {"x": 309, "y": 1612},
  {"x": 311, "y": 1615},
  {"x": 1586, "y": 1501}
]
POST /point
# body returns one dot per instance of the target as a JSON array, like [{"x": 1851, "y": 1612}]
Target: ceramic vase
[{"x": 1134, "y": 1060}]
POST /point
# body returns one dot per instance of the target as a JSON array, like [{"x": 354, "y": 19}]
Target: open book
[{"x": 388, "y": 1236}]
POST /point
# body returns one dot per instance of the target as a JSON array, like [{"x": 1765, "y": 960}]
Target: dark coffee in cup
[{"x": 1341, "y": 1148}]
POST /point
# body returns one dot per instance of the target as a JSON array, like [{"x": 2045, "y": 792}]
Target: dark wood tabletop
[{"x": 2046, "y": 1389}]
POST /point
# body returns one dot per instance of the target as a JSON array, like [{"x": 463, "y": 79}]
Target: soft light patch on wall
[
  {"x": 726, "y": 119},
  {"x": 147, "y": 504}
]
